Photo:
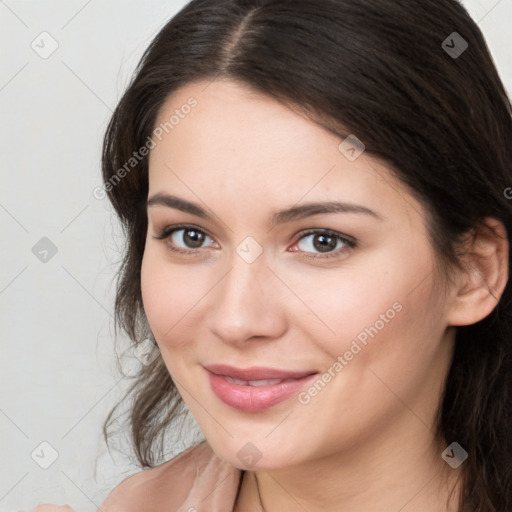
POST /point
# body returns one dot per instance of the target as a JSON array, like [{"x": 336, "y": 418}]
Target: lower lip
[{"x": 255, "y": 398}]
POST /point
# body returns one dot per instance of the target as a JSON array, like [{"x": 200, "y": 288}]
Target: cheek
[
  {"x": 168, "y": 296},
  {"x": 348, "y": 302},
  {"x": 384, "y": 311}
]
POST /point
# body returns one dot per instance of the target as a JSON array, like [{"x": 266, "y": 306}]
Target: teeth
[{"x": 268, "y": 382}]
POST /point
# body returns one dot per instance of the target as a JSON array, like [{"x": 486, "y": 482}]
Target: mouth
[
  {"x": 256, "y": 373},
  {"x": 255, "y": 389}
]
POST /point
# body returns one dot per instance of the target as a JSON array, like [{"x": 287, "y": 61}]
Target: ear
[{"x": 480, "y": 287}]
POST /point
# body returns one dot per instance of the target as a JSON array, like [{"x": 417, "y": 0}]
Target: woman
[{"x": 315, "y": 200}]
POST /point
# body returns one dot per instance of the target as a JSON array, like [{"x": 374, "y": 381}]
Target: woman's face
[{"x": 270, "y": 271}]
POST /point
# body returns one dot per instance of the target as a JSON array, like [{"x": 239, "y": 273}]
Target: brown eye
[
  {"x": 324, "y": 242},
  {"x": 192, "y": 238},
  {"x": 185, "y": 238}
]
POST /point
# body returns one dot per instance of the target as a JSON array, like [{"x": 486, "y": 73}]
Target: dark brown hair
[{"x": 381, "y": 70}]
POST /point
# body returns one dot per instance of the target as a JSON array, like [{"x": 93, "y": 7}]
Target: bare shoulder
[
  {"x": 120, "y": 496},
  {"x": 158, "y": 488}
]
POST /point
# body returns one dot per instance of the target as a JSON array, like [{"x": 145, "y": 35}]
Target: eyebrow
[{"x": 280, "y": 217}]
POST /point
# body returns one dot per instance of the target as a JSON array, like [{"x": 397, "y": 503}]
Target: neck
[{"x": 406, "y": 474}]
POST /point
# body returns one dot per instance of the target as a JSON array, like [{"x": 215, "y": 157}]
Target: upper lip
[{"x": 256, "y": 372}]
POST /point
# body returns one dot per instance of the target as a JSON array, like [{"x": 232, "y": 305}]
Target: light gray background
[{"x": 58, "y": 370}]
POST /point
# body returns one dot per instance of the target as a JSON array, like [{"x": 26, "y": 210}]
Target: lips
[
  {"x": 256, "y": 373},
  {"x": 255, "y": 389}
]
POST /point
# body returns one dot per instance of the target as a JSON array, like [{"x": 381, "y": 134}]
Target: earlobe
[{"x": 487, "y": 270}]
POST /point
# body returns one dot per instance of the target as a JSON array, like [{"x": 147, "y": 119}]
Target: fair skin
[
  {"x": 242, "y": 157},
  {"x": 366, "y": 441}
]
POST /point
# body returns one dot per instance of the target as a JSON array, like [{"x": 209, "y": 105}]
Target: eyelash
[{"x": 348, "y": 241}]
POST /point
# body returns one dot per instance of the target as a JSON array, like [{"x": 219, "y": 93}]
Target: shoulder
[
  {"x": 153, "y": 484},
  {"x": 172, "y": 484}
]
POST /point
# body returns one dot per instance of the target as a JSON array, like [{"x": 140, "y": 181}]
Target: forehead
[{"x": 223, "y": 138}]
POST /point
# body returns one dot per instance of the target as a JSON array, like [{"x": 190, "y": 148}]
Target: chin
[{"x": 254, "y": 456}]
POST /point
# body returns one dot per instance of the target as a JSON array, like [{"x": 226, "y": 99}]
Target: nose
[{"x": 248, "y": 304}]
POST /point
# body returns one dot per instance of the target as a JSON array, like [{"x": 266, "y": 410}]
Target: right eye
[{"x": 185, "y": 238}]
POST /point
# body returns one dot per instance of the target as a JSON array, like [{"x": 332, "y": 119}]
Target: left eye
[{"x": 322, "y": 242}]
